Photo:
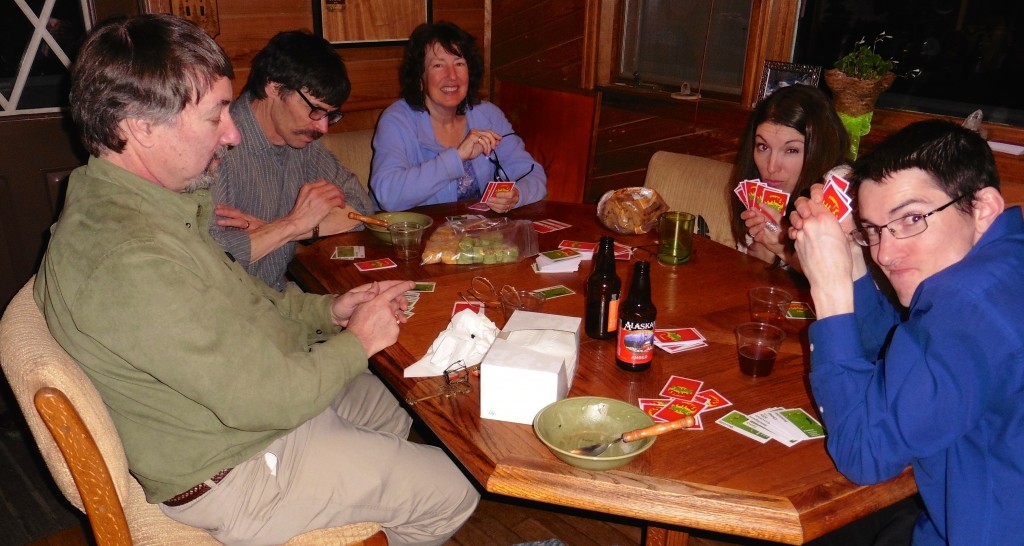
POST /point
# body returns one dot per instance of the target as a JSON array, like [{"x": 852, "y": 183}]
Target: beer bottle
[
  {"x": 635, "y": 348},
  {"x": 602, "y": 293}
]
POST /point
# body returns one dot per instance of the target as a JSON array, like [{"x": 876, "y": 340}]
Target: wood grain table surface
[{"x": 714, "y": 479}]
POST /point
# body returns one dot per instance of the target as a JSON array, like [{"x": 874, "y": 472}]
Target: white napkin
[{"x": 468, "y": 337}]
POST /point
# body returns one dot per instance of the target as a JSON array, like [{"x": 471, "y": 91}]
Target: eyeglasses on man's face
[
  {"x": 900, "y": 228},
  {"x": 316, "y": 113}
]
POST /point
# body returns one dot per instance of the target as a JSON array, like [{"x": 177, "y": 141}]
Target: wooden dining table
[{"x": 711, "y": 479}]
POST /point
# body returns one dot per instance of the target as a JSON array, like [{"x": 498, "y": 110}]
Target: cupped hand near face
[{"x": 478, "y": 141}]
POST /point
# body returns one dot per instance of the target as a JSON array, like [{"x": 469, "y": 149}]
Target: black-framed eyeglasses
[
  {"x": 900, "y": 228},
  {"x": 316, "y": 113},
  {"x": 500, "y": 174}
]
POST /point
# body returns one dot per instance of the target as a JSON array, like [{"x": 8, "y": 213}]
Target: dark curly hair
[
  {"x": 297, "y": 59},
  {"x": 454, "y": 40}
]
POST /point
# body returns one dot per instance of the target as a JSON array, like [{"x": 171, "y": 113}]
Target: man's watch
[{"x": 316, "y": 233}]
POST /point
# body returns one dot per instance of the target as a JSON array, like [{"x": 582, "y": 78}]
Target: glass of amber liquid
[{"x": 757, "y": 344}]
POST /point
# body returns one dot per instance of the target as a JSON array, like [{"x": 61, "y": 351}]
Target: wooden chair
[
  {"x": 697, "y": 185},
  {"x": 78, "y": 441},
  {"x": 354, "y": 149},
  {"x": 558, "y": 127}
]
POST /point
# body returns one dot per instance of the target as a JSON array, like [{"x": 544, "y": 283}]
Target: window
[
  {"x": 701, "y": 42},
  {"x": 38, "y": 45},
  {"x": 970, "y": 53}
]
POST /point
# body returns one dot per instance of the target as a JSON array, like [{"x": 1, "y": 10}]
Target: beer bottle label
[
  {"x": 636, "y": 342},
  {"x": 613, "y": 313}
]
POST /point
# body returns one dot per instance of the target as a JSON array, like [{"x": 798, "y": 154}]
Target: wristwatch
[{"x": 316, "y": 233}]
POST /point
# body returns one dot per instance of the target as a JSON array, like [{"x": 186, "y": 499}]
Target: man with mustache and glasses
[
  {"x": 280, "y": 185},
  {"x": 243, "y": 411},
  {"x": 934, "y": 380}
]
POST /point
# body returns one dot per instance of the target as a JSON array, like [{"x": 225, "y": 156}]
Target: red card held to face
[
  {"x": 776, "y": 200},
  {"x": 836, "y": 202},
  {"x": 681, "y": 388}
]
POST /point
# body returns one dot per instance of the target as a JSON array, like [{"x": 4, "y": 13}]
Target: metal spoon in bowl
[{"x": 594, "y": 450}]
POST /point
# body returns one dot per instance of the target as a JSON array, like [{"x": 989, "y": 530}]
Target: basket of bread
[{"x": 631, "y": 210}]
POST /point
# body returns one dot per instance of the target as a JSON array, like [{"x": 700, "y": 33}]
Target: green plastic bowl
[
  {"x": 392, "y": 217},
  {"x": 585, "y": 420}
]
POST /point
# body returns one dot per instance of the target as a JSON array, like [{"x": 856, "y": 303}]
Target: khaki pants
[{"x": 349, "y": 464}]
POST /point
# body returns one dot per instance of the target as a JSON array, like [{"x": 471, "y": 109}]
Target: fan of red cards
[{"x": 757, "y": 195}]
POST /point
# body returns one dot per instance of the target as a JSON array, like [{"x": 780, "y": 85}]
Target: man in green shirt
[{"x": 243, "y": 411}]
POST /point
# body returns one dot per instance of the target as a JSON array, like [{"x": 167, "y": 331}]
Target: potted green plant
[{"x": 857, "y": 81}]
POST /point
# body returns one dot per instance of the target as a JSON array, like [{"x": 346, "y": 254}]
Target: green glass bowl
[
  {"x": 585, "y": 420},
  {"x": 392, "y": 217}
]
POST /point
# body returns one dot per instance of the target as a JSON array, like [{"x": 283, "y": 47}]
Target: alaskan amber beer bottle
[
  {"x": 635, "y": 348},
  {"x": 601, "y": 319}
]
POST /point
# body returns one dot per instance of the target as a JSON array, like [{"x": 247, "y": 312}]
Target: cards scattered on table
[
  {"x": 374, "y": 265},
  {"x": 800, "y": 310},
  {"x": 562, "y": 260},
  {"x": 788, "y": 426},
  {"x": 348, "y": 253},
  {"x": 549, "y": 225},
  {"x": 424, "y": 286},
  {"x": 555, "y": 291},
  {"x": 682, "y": 396},
  {"x": 677, "y": 340},
  {"x": 585, "y": 249},
  {"x": 411, "y": 298},
  {"x": 835, "y": 198}
]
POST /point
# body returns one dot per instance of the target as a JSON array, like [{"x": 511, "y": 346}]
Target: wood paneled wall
[{"x": 538, "y": 41}]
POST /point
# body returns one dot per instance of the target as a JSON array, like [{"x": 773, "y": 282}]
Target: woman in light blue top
[{"x": 440, "y": 143}]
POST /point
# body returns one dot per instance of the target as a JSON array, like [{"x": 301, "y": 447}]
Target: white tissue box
[{"x": 531, "y": 364}]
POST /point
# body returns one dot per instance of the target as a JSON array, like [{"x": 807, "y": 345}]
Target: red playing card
[
  {"x": 479, "y": 206},
  {"x": 749, "y": 189},
  {"x": 843, "y": 184},
  {"x": 653, "y": 405},
  {"x": 474, "y": 306},
  {"x": 373, "y": 265},
  {"x": 712, "y": 399},
  {"x": 578, "y": 246},
  {"x": 495, "y": 187},
  {"x": 679, "y": 409},
  {"x": 677, "y": 335},
  {"x": 741, "y": 194},
  {"x": 543, "y": 228},
  {"x": 836, "y": 202},
  {"x": 681, "y": 388},
  {"x": 776, "y": 200}
]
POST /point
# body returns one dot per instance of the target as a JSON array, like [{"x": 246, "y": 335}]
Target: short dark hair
[
  {"x": 810, "y": 112},
  {"x": 454, "y": 40},
  {"x": 147, "y": 66},
  {"x": 957, "y": 158},
  {"x": 297, "y": 59}
]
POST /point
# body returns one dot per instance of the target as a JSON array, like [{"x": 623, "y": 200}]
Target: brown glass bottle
[
  {"x": 635, "y": 348},
  {"x": 603, "y": 287}
]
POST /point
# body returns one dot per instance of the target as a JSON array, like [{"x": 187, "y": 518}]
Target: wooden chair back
[
  {"x": 698, "y": 185},
  {"x": 81, "y": 447}
]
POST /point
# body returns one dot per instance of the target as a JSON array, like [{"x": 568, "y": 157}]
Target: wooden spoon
[
  {"x": 594, "y": 450},
  {"x": 367, "y": 219}
]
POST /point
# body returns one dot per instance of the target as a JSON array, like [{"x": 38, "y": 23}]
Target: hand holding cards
[
  {"x": 759, "y": 196},
  {"x": 835, "y": 199}
]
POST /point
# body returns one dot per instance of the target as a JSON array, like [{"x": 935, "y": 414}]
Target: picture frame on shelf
[
  {"x": 347, "y": 23},
  {"x": 778, "y": 74}
]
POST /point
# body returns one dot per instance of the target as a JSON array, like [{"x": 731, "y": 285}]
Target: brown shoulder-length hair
[
  {"x": 148, "y": 66},
  {"x": 807, "y": 110},
  {"x": 454, "y": 40}
]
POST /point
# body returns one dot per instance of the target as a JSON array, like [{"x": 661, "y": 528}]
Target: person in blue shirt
[
  {"x": 440, "y": 143},
  {"x": 937, "y": 380}
]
